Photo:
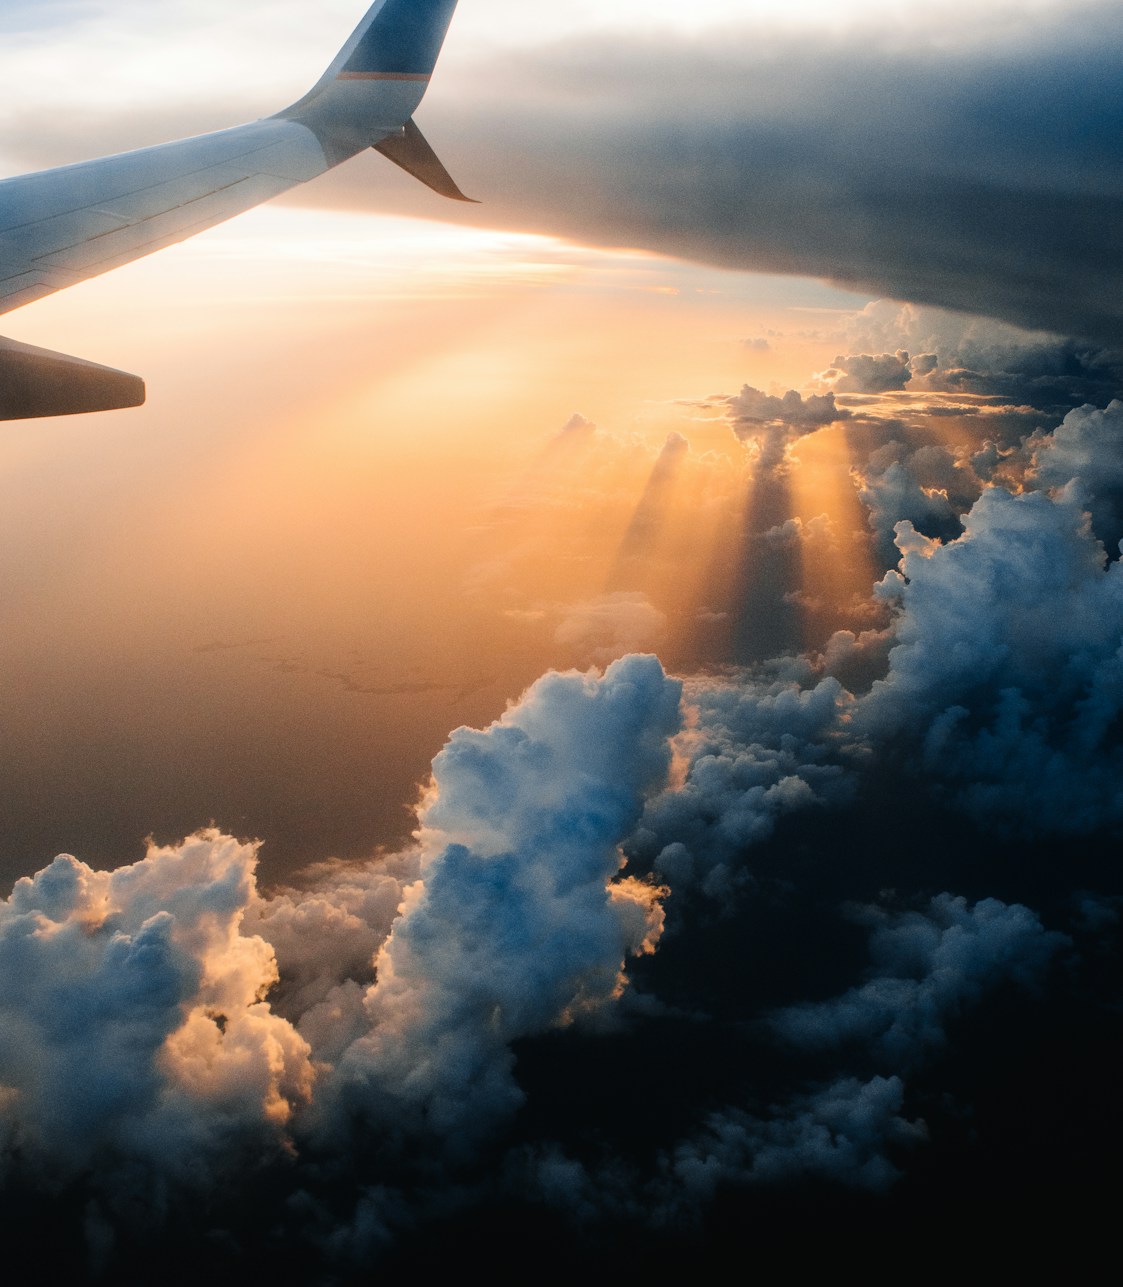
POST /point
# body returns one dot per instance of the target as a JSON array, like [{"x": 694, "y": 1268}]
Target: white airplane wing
[{"x": 65, "y": 225}]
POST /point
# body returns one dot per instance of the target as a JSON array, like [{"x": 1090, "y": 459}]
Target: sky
[{"x": 583, "y": 732}]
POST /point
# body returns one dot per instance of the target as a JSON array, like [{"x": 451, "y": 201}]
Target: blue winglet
[{"x": 403, "y": 40}]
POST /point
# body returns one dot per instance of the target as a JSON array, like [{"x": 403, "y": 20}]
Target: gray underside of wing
[{"x": 66, "y": 225}]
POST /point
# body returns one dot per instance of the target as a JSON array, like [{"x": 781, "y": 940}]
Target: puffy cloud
[
  {"x": 325, "y": 937},
  {"x": 611, "y": 625},
  {"x": 1001, "y": 694},
  {"x": 1083, "y": 457},
  {"x": 751, "y": 410},
  {"x": 840, "y": 1132},
  {"x": 133, "y": 1030},
  {"x": 752, "y": 753},
  {"x": 924, "y": 485},
  {"x": 873, "y": 373},
  {"x": 927, "y": 968},
  {"x": 519, "y": 922},
  {"x": 135, "y": 1040}
]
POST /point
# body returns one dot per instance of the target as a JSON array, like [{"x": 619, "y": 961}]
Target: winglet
[
  {"x": 398, "y": 39},
  {"x": 377, "y": 79},
  {"x": 410, "y": 150}
]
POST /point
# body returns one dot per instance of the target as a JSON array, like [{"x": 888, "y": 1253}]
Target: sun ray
[{"x": 837, "y": 568}]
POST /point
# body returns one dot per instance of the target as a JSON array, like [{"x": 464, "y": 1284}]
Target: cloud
[
  {"x": 136, "y": 1047},
  {"x": 379, "y": 1027},
  {"x": 611, "y": 625},
  {"x": 751, "y": 409},
  {"x": 979, "y": 684},
  {"x": 928, "y": 967},
  {"x": 997, "y": 691},
  {"x": 753, "y": 752},
  {"x": 133, "y": 1033},
  {"x": 577, "y": 427},
  {"x": 960, "y": 353},
  {"x": 924, "y": 485},
  {"x": 770, "y": 424},
  {"x": 519, "y": 922},
  {"x": 841, "y": 1132},
  {"x": 382, "y": 1037},
  {"x": 1083, "y": 459},
  {"x": 325, "y": 937},
  {"x": 874, "y": 373},
  {"x": 869, "y": 167}
]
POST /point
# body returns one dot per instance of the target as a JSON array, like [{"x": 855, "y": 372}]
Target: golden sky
[
  {"x": 343, "y": 523},
  {"x": 351, "y": 515}
]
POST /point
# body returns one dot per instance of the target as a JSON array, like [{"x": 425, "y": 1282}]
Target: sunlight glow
[{"x": 835, "y": 552}]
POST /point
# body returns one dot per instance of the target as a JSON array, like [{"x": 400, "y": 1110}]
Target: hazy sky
[{"x": 704, "y": 496}]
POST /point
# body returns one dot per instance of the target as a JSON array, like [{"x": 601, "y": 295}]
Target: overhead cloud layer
[
  {"x": 897, "y": 159},
  {"x": 969, "y": 161}
]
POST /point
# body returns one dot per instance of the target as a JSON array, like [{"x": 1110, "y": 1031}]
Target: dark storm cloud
[
  {"x": 840, "y": 1132},
  {"x": 982, "y": 175},
  {"x": 930, "y": 967},
  {"x": 927, "y": 967}
]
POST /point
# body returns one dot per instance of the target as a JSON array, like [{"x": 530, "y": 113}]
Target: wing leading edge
[{"x": 62, "y": 226}]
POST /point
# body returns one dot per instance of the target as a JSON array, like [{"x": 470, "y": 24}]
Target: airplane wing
[{"x": 63, "y": 226}]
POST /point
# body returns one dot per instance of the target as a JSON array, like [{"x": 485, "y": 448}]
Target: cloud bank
[
  {"x": 969, "y": 161},
  {"x": 906, "y": 165}
]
